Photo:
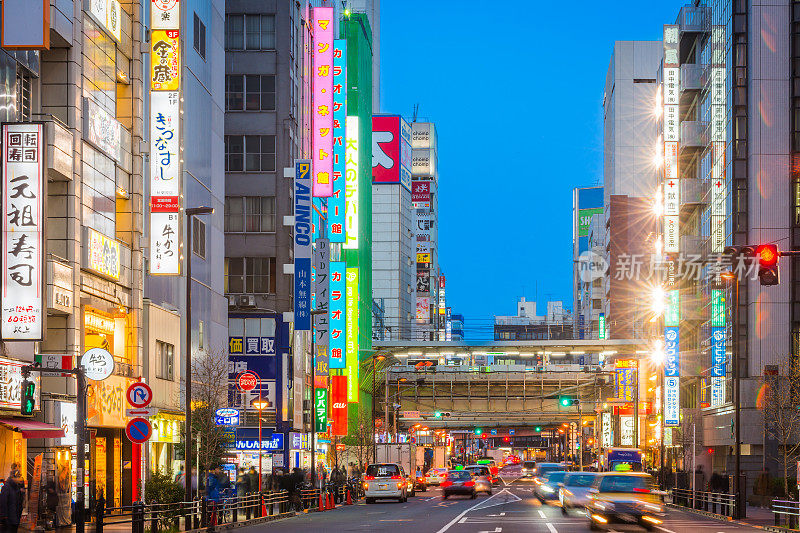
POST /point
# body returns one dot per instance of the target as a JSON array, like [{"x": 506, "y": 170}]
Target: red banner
[{"x": 339, "y": 405}]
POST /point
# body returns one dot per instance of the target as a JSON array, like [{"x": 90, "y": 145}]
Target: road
[{"x": 510, "y": 509}]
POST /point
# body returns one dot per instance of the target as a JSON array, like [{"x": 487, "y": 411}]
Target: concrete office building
[{"x": 586, "y": 202}]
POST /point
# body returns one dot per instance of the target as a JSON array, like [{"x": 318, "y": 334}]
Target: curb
[
  {"x": 723, "y": 518},
  {"x": 252, "y": 522}
]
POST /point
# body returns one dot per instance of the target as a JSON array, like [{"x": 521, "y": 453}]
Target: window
[
  {"x": 250, "y": 92},
  {"x": 251, "y": 214},
  {"x": 201, "y": 335},
  {"x": 250, "y": 153},
  {"x": 250, "y": 275},
  {"x": 199, "y": 36},
  {"x": 165, "y": 354},
  {"x": 250, "y": 32},
  {"x": 199, "y": 237}
]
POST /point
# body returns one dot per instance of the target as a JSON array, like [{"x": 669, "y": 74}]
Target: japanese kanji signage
[
  {"x": 351, "y": 183},
  {"x": 351, "y": 363},
  {"x": 320, "y": 410},
  {"x": 421, "y": 194},
  {"x": 672, "y": 401},
  {"x": 302, "y": 245},
  {"x": 322, "y": 78},
  {"x": 165, "y": 60},
  {"x": 322, "y": 297},
  {"x": 625, "y": 371},
  {"x": 718, "y": 352},
  {"x": 339, "y": 405},
  {"x": 103, "y": 254},
  {"x": 11, "y": 384},
  {"x": 165, "y": 137},
  {"x": 22, "y": 247},
  {"x": 336, "y": 203},
  {"x": 109, "y": 14},
  {"x": 165, "y": 14},
  {"x": 338, "y": 321}
]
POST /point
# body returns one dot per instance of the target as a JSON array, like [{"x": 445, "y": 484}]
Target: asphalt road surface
[{"x": 510, "y": 509}]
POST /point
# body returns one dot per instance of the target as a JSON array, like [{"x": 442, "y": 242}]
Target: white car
[
  {"x": 435, "y": 476},
  {"x": 574, "y": 490},
  {"x": 385, "y": 480}
]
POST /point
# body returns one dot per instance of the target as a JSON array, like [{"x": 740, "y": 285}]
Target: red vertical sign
[{"x": 339, "y": 405}]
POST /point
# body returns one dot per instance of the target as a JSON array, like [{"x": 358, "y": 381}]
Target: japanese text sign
[
  {"x": 336, "y": 203},
  {"x": 165, "y": 14},
  {"x": 672, "y": 401},
  {"x": 11, "y": 384},
  {"x": 164, "y": 182},
  {"x": 351, "y": 363},
  {"x": 103, "y": 254},
  {"x": 165, "y": 60},
  {"x": 23, "y": 194},
  {"x": 338, "y": 322},
  {"x": 322, "y": 78},
  {"x": 351, "y": 183},
  {"x": 164, "y": 256},
  {"x": 672, "y": 351},
  {"x": 718, "y": 352},
  {"x": 320, "y": 410},
  {"x": 302, "y": 245}
]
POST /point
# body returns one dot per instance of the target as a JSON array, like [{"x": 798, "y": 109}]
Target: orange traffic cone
[
  {"x": 321, "y": 502},
  {"x": 330, "y": 502},
  {"x": 263, "y": 507},
  {"x": 349, "y": 499}
]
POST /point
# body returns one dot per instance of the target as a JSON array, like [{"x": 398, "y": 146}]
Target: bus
[{"x": 622, "y": 460}]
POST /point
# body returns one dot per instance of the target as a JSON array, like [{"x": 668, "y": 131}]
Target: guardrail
[
  {"x": 720, "y": 503},
  {"x": 786, "y": 513},
  {"x": 208, "y": 514}
]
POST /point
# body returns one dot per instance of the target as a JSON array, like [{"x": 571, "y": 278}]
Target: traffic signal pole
[{"x": 80, "y": 437}]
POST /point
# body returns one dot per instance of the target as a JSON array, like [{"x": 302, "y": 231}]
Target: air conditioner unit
[
  {"x": 247, "y": 300},
  {"x": 231, "y": 301}
]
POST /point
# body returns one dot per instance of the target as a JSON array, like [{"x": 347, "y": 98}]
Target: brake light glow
[
  {"x": 447, "y": 483},
  {"x": 642, "y": 491},
  {"x": 395, "y": 477},
  {"x": 652, "y": 520},
  {"x": 369, "y": 478},
  {"x": 400, "y": 485},
  {"x": 469, "y": 484},
  {"x": 599, "y": 518}
]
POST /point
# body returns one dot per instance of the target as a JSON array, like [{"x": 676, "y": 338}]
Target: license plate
[
  {"x": 627, "y": 518},
  {"x": 383, "y": 487}
]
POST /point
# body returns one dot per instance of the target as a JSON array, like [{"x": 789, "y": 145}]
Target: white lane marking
[
  {"x": 496, "y": 530},
  {"x": 551, "y": 528},
  {"x": 541, "y": 513},
  {"x": 665, "y": 529},
  {"x": 463, "y": 520},
  {"x": 476, "y": 506}
]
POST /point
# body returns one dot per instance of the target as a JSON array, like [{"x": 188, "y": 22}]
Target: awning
[{"x": 31, "y": 429}]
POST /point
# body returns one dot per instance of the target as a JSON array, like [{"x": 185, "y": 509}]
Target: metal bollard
[
  {"x": 99, "y": 510},
  {"x": 138, "y": 518},
  {"x": 153, "y": 521},
  {"x": 203, "y": 512}
]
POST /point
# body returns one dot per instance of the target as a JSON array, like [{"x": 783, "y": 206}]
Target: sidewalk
[{"x": 758, "y": 516}]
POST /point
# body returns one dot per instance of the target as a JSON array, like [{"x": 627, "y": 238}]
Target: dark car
[
  {"x": 617, "y": 497},
  {"x": 546, "y": 488},
  {"x": 458, "y": 482},
  {"x": 528, "y": 468}
]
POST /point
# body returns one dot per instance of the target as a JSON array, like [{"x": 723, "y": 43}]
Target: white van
[{"x": 385, "y": 480}]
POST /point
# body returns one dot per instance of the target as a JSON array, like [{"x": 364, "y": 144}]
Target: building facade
[
  {"x": 526, "y": 325},
  {"x": 586, "y": 203}
]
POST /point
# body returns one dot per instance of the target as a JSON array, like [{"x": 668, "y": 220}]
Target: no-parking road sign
[
  {"x": 139, "y": 394},
  {"x": 138, "y": 430}
]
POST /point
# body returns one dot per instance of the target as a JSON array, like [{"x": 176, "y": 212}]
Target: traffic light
[
  {"x": 768, "y": 272},
  {"x": 441, "y": 414},
  {"x": 437, "y": 414},
  {"x": 538, "y": 429},
  {"x": 567, "y": 401},
  {"x": 478, "y": 431},
  {"x": 28, "y": 397}
]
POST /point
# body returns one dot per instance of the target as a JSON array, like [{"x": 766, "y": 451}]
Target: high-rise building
[
  {"x": 394, "y": 243},
  {"x": 425, "y": 200},
  {"x": 526, "y": 325},
  {"x": 586, "y": 202}
]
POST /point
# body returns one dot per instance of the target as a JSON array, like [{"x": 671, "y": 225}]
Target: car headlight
[{"x": 547, "y": 488}]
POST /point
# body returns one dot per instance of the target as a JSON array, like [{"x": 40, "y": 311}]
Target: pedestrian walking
[{"x": 11, "y": 502}]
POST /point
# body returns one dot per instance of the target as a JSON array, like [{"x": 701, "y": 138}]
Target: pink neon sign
[{"x": 322, "y": 76}]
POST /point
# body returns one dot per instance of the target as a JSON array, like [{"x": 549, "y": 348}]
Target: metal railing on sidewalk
[
  {"x": 208, "y": 514},
  {"x": 786, "y": 513},
  {"x": 720, "y": 503}
]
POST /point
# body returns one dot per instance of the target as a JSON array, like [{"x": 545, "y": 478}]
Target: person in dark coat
[
  {"x": 11, "y": 502},
  {"x": 213, "y": 485},
  {"x": 252, "y": 476}
]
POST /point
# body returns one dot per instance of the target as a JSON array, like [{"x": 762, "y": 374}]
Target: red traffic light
[
  {"x": 506, "y": 439},
  {"x": 483, "y": 436},
  {"x": 767, "y": 254}
]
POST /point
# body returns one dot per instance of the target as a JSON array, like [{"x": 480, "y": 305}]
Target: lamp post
[
  {"x": 731, "y": 276},
  {"x": 190, "y": 213},
  {"x": 260, "y": 403}
]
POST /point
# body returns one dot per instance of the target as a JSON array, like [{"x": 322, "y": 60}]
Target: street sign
[
  {"x": 409, "y": 414},
  {"x": 97, "y": 364},
  {"x": 138, "y": 430},
  {"x": 247, "y": 381},
  {"x": 143, "y": 412},
  {"x": 139, "y": 394},
  {"x": 227, "y": 417}
]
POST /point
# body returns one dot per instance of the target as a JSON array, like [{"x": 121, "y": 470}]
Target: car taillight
[
  {"x": 400, "y": 485},
  {"x": 369, "y": 478},
  {"x": 469, "y": 484},
  {"x": 395, "y": 477},
  {"x": 643, "y": 491},
  {"x": 447, "y": 483}
]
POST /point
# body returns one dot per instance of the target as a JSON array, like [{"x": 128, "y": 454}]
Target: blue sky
[{"x": 516, "y": 94}]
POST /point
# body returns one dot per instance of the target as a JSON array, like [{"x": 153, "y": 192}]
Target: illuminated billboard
[
  {"x": 386, "y": 149},
  {"x": 351, "y": 362},
  {"x": 322, "y": 88},
  {"x": 336, "y": 203}
]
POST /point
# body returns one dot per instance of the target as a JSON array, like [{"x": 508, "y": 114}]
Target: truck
[
  {"x": 401, "y": 453},
  {"x": 431, "y": 457}
]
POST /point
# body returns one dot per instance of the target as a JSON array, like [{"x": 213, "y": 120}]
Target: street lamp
[
  {"x": 732, "y": 277},
  {"x": 190, "y": 213},
  {"x": 260, "y": 403}
]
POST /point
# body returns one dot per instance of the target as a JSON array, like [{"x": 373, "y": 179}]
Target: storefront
[
  {"x": 110, "y": 332},
  {"x": 245, "y": 450},
  {"x": 164, "y": 442},
  {"x": 300, "y": 451}
]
